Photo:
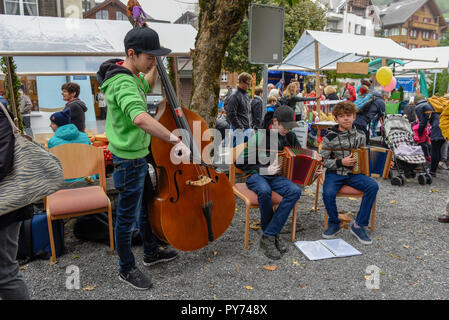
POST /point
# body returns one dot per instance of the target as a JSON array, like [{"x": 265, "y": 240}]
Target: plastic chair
[
  {"x": 79, "y": 160},
  {"x": 250, "y": 197},
  {"x": 344, "y": 192}
]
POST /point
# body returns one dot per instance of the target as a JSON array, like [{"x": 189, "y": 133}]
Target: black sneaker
[
  {"x": 280, "y": 244},
  {"x": 268, "y": 246},
  {"x": 136, "y": 279},
  {"x": 161, "y": 255}
]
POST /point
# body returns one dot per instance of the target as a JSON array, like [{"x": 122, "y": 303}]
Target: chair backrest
[
  {"x": 235, "y": 152},
  {"x": 81, "y": 160}
]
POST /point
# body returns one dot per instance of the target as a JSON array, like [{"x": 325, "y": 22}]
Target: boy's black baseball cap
[
  {"x": 145, "y": 40},
  {"x": 285, "y": 115}
]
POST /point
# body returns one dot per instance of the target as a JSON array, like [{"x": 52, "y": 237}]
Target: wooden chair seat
[
  {"x": 70, "y": 201},
  {"x": 79, "y": 160},
  {"x": 349, "y": 191},
  {"x": 249, "y": 196}
]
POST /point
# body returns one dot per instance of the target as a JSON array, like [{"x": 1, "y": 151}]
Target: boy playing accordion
[{"x": 338, "y": 160}]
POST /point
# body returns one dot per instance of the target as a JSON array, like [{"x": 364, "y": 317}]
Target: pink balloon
[{"x": 390, "y": 87}]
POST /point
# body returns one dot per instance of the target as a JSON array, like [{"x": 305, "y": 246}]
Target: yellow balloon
[{"x": 384, "y": 76}]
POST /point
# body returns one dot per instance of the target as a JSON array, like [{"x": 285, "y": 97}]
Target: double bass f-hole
[{"x": 172, "y": 200}]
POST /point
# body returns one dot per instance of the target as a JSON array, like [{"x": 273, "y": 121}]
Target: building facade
[
  {"x": 49, "y": 8},
  {"x": 413, "y": 23},
  {"x": 358, "y": 17}
]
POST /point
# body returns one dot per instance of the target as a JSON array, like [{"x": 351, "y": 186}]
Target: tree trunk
[{"x": 219, "y": 20}]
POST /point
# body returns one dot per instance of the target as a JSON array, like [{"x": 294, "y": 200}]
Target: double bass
[{"x": 194, "y": 204}]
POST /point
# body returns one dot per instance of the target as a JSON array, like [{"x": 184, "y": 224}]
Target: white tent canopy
[
  {"x": 441, "y": 52},
  {"x": 49, "y": 45},
  {"x": 337, "y": 47}
]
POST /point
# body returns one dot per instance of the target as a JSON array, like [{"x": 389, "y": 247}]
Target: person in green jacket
[{"x": 129, "y": 127}]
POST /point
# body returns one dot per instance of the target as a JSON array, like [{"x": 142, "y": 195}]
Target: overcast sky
[{"x": 166, "y": 9}]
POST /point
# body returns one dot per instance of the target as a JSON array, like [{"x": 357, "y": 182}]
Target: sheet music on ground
[{"x": 325, "y": 249}]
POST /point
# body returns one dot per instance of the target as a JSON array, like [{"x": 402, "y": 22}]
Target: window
[
  {"x": 428, "y": 20},
  {"x": 426, "y": 35},
  {"x": 394, "y": 32},
  {"x": 434, "y": 36},
  {"x": 102, "y": 14},
  {"x": 413, "y": 33},
  {"x": 120, "y": 16},
  {"x": 363, "y": 31},
  {"x": 21, "y": 7},
  {"x": 403, "y": 44},
  {"x": 412, "y": 46},
  {"x": 358, "y": 29},
  {"x": 404, "y": 31}
]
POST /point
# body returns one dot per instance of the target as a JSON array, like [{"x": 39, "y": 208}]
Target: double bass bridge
[{"x": 202, "y": 181}]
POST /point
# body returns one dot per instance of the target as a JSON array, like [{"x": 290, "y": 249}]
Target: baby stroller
[{"x": 407, "y": 155}]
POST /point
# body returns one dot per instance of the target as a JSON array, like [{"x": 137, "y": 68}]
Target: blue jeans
[
  {"x": 131, "y": 179},
  {"x": 271, "y": 221},
  {"x": 332, "y": 185}
]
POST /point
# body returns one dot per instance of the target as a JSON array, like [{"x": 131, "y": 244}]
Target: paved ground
[{"x": 410, "y": 248}]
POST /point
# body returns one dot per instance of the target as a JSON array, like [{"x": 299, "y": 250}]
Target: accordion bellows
[{"x": 299, "y": 165}]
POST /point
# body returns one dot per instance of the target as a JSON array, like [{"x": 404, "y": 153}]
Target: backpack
[
  {"x": 95, "y": 227},
  {"x": 366, "y": 100},
  {"x": 439, "y": 104},
  {"x": 34, "y": 239},
  {"x": 444, "y": 123}
]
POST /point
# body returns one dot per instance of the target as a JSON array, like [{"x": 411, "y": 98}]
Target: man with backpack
[
  {"x": 12, "y": 285},
  {"x": 371, "y": 108}
]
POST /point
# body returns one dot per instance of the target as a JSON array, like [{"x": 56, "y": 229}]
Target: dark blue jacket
[
  {"x": 372, "y": 111},
  {"x": 427, "y": 115}
]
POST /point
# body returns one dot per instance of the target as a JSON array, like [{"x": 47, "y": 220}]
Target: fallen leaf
[
  {"x": 418, "y": 258},
  {"x": 90, "y": 288},
  {"x": 249, "y": 288},
  {"x": 295, "y": 263},
  {"x": 433, "y": 190},
  {"x": 406, "y": 247},
  {"x": 382, "y": 272},
  {"x": 367, "y": 277},
  {"x": 208, "y": 260},
  {"x": 302, "y": 286},
  {"x": 393, "y": 201},
  {"x": 270, "y": 268},
  {"x": 75, "y": 257},
  {"x": 215, "y": 253},
  {"x": 255, "y": 225},
  {"x": 350, "y": 198},
  {"x": 237, "y": 268},
  {"x": 165, "y": 295},
  {"x": 395, "y": 256},
  {"x": 23, "y": 267}
]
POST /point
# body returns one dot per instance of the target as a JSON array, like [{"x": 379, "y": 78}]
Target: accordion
[
  {"x": 372, "y": 161},
  {"x": 299, "y": 165}
]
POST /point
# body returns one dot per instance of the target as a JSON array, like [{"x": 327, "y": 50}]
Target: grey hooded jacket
[{"x": 338, "y": 145}]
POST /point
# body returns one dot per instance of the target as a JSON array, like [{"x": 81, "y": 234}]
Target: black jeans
[{"x": 435, "y": 154}]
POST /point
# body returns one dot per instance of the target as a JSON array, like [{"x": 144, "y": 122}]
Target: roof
[
  {"x": 399, "y": 12},
  {"x": 338, "y": 47},
  {"x": 34, "y": 36},
  {"x": 40, "y": 44},
  {"x": 441, "y": 52}
]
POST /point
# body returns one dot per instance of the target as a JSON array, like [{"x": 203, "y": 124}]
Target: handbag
[{"x": 35, "y": 174}]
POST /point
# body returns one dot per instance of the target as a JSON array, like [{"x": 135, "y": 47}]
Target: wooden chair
[
  {"x": 79, "y": 160},
  {"x": 250, "y": 197},
  {"x": 344, "y": 192}
]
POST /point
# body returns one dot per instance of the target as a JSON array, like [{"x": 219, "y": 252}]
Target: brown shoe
[{"x": 443, "y": 219}]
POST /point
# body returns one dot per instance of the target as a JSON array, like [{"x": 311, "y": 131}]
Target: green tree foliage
[
  {"x": 15, "y": 85},
  {"x": 298, "y": 16}
]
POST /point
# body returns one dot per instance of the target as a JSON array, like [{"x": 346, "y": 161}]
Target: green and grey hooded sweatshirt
[
  {"x": 338, "y": 145},
  {"x": 126, "y": 98}
]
